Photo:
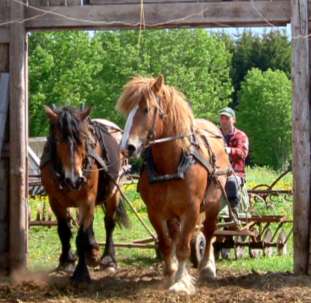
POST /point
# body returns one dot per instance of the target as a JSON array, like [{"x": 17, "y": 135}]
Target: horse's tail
[{"x": 121, "y": 214}]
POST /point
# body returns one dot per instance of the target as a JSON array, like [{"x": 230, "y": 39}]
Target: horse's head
[
  {"x": 153, "y": 110},
  {"x": 69, "y": 132},
  {"x": 142, "y": 102}
]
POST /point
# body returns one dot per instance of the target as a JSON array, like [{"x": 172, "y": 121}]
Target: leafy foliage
[
  {"x": 265, "y": 115},
  {"x": 271, "y": 50},
  {"x": 75, "y": 67}
]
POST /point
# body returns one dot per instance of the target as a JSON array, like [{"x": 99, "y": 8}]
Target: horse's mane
[
  {"x": 178, "y": 117},
  {"x": 69, "y": 125}
]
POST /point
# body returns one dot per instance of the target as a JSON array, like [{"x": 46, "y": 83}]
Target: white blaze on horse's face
[
  {"x": 130, "y": 143},
  {"x": 72, "y": 163}
]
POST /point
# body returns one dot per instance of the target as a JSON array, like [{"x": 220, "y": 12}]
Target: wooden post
[
  {"x": 18, "y": 141},
  {"x": 309, "y": 40},
  {"x": 301, "y": 134}
]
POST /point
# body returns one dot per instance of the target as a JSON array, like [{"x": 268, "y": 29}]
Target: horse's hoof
[
  {"x": 181, "y": 287},
  {"x": 80, "y": 277},
  {"x": 111, "y": 270},
  {"x": 207, "y": 274},
  {"x": 107, "y": 263},
  {"x": 168, "y": 281},
  {"x": 67, "y": 267}
]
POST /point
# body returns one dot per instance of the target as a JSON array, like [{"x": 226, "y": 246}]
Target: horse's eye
[{"x": 146, "y": 110}]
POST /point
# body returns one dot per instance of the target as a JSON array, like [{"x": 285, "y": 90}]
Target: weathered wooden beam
[
  {"x": 4, "y": 35},
  {"x": 309, "y": 40},
  {"x": 18, "y": 141},
  {"x": 220, "y": 14},
  {"x": 301, "y": 134},
  {"x": 4, "y": 102},
  {"x": 117, "y": 2},
  {"x": 4, "y": 57}
]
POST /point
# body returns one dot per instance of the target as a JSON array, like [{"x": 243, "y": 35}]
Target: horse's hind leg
[
  {"x": 212, "y": 207},
  {"x": 67, "y": 258},
  {"x": 108, "y": 260}
]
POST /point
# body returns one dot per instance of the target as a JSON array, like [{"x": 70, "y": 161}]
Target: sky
[{"x": 258, "y": 30}]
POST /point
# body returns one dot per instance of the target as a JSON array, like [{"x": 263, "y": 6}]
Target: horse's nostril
[
  {"x": 68, "y": 181},
  {"x": 81, "y": 180},
  {"x": 131, "y": 149}
]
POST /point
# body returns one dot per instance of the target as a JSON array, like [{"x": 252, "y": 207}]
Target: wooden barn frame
[{"x": 17, "y": 17}]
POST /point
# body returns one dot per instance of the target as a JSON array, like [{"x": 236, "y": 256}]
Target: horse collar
[{"x": 185, "y": 162}]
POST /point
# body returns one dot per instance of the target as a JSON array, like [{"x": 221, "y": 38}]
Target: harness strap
[{"x": 99, "y": 160}]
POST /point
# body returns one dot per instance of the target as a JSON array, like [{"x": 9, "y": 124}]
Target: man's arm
[{"x": 241, "y": 150}]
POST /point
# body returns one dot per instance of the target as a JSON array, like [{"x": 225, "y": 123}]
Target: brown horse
[
  {"x": 182, "y": 157},
  {"x": 79, "y": 167}
]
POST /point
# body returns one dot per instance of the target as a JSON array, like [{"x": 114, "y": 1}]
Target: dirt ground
[{"x": 144, "y": 285}]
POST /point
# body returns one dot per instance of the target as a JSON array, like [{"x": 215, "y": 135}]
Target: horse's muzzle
[{"x": 75, "y": 183}]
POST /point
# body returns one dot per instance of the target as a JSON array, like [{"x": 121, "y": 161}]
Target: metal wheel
[
  {"x": 281, "y": 245},
  {"x": 267, "y": 238},
  {"x": 197, "y": 246},
  {"x": 225, "y": 253},
  {"x": 239, "y": 250},
  {"x": 254, "y": 252}
]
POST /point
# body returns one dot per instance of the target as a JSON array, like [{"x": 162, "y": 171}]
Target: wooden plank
[
  {"x": 73, "y": 2},
  {"x": 117, "y": 2},
  {"x": 18, "y": 142},
  {"x": 4, "y": 35},
  {"x": 4, "y": 102},
  {"x": 39, "y": 3},
  {"x": 4, "y": 189},
  {"x": 163, "y": 15},
  {"x": 4, "y": 11},
  {"x": 4, "y": 58},
  {"x": 309, "y": 28},
  {"x": 57, "y": 2},
  {"x": 301, "y": 134}
]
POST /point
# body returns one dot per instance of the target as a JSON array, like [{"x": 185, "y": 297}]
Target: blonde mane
[{"x": 178, "y": 117}]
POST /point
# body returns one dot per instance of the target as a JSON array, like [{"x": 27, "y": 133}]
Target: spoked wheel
[
  {"x": 197, "y": 246},
  {"x": 254, "y": 252},
  {"x": 267, "y": 238},
  {"x": 281, "y": 245},
  {"x": 239, "y": 250}
]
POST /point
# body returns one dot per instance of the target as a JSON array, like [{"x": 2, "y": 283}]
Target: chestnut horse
[
  {"x": 79, "y": 167},
  {"x": 183, "y": 160}
]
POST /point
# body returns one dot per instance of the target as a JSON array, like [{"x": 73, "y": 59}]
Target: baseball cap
[{"x": 227, "y": 111}]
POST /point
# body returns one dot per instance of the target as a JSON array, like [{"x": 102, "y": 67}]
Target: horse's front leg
[
  {"x": 167, "y": 232},
  {"x": 93, "y": 251},
  {"x": 81, "y": 273},
  {"x": 67, "y": 258},
  {"x": 184, "y": 282},
  {"x": 212, "y": 207}
]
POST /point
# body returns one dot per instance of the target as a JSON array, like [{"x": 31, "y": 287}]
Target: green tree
[
  {"x": 192, "y": 60},
  {"x": 76, "y": 67},
  {"x": 265, "y": 115},
  {"x": 271, "y": 50},
  {"x": 62, "y": 68}
]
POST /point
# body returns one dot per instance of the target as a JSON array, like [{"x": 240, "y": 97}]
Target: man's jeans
[{"x": 232, "y": 188}]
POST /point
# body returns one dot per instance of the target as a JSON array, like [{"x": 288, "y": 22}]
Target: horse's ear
[
  {"x": 157, "y": 85},
  {"x": 85, "y": 113},
  {"x": 52, "y": 115}
]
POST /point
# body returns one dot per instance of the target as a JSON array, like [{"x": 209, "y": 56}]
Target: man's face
[{"x": 226, "y": 122}]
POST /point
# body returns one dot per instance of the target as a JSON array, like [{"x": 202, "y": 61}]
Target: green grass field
[{"x": 44, "y": 246}]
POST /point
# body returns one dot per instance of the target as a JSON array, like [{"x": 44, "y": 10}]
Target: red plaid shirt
[{"x": 238, "y": 143}]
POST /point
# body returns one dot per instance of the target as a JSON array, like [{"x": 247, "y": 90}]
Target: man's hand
[{"x": 228, "y": 150}]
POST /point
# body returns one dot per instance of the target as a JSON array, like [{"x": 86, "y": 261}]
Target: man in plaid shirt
[{"x": 237, "y": 149}]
